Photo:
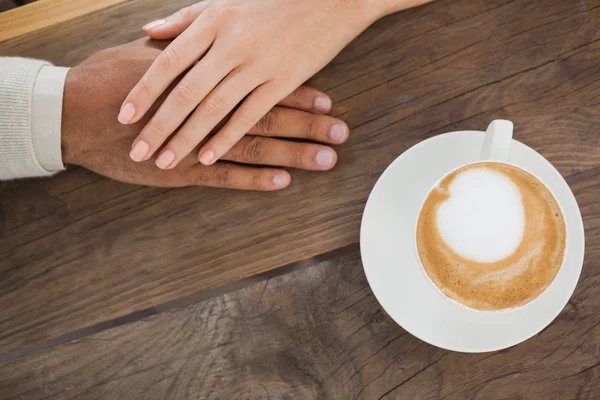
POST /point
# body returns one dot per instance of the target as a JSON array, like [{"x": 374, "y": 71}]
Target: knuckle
[
  {"x": 184, "y": 14},
  {"x": 239, "y": 49},
  {"x": 223, "y": 176},
  {"x": 311, "y": 127},
  {"x": 248, "y": 120},
  {"x": 298, "y": 97},
  {"x": 236, "y": 52},
  {"x": 155, "y": 129},
  {"x": 297, "y": 157},
  {"x": 183, "y": 143},
  {"x": 259, "y": 182},
  {"x": 213, "y": 105},
  {"x": 227, "y": 141},
  {"x": 169, "y": 58},
  {"x": 253, "y": 150},
  {"x": 268, "y": 123},
  {"x": 295, "y": 100},
  {"x": 185, "y": 94},
  {"x": 199, "y": 178},
  {"x": 142, "y": 90}
]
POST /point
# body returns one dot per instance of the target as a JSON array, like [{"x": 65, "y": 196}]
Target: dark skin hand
[{"x": 93, "y": 138}]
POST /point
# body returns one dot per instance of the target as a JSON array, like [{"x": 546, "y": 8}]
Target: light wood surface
[
  {"x": 46, "y": 13},
  {"x": 79, "y": 249},
  {"x": 317, "y": 333}
]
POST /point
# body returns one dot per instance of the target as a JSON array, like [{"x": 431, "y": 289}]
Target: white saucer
[{"x": 387, "y": 244}]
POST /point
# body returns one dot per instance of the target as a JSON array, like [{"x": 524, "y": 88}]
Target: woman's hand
[{"x": 239, "y": 51}]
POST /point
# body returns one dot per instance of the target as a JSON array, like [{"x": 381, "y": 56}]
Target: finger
[
  {"x": 171, "y": 62},
  {"x": 308, "y": 99},
  {"x": 209, "y": 113},
  {"x": 282, "y": 153},
  {"x": 174, "y": 24},
  {"x": 232, "y": 176},
  {"x": 248, "y": 114},
  {"x": 289, "y": 123},
  {"x": 182, "y": 100}
]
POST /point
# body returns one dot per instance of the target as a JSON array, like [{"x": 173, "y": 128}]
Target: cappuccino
[{"x": 491, "y": 236}]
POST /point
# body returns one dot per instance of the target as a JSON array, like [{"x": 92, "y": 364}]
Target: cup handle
[{"x": 496, "y": 142}]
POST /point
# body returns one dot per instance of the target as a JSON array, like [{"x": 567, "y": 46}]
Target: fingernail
[
  {"x": 322, "y": 103},
  {"x": 126, "y": 114},
  {"x": 337, "y": 132},
  {"x": 139, "y": 151},
  {"x": 153, "y": 24},
  {"x": 279, "y": 180},
  {"x": 324, "y": 158},
  {"x": 165, "y": 159},
  {"x": 207, "y": 157}
]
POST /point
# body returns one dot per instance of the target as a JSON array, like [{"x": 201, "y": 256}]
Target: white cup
[{"x": 495, "y": 148}]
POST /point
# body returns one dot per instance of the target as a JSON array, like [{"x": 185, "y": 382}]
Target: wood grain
[
  {"x": 318, "y": 333},
  {"x": 46, "y": 13},
  {"x": 79, "y": 249}
]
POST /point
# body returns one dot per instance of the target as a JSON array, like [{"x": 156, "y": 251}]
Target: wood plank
[
  {"x": 46, "y": 13},
  {"x": 7, "y": 5},
  {"x": 318, "y": 333},
  {"x": 78, "y": 249}
]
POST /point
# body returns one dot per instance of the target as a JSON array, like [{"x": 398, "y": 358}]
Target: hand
[
  {"x": 92, "y": 138},
  {"x": 253, "y": 52}
]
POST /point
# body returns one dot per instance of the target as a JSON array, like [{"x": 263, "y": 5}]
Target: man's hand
[{"x": 92, "y": 137}]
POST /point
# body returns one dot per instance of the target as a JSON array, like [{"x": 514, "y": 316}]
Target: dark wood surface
[
  {"x": 317, "y": 333},
  {"x": 7, "y": 5},
  {"x": 79, "y": 249}
]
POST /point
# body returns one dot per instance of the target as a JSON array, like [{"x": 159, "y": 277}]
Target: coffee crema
[{"x": 493, "y": 258}]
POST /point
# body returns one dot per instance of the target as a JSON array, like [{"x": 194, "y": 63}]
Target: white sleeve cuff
[
  {"x": 47, "y": 116},
  {"x": 30, "y": 119},
  {"x": 17, "y": 158}
]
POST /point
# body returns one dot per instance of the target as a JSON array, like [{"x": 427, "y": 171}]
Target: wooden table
[{"x": 81, "y": 254}]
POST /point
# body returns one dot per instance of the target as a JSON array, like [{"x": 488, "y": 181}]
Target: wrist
[
  {"x": 357, "y": 13},
  {"x": 68, "y": 139},
  {"x": 366, "y": 12}
]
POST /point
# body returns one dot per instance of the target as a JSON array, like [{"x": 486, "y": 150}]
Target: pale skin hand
[{"x": 251, "y": 53}]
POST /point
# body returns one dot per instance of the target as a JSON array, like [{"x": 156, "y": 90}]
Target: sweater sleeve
[{"x": 29, "y": 136}]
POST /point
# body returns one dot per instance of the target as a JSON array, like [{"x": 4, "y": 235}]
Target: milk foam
[{"x": 483, "y": 219}]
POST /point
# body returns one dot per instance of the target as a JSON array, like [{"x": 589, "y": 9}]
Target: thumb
[{"x": 175, "y": 24}]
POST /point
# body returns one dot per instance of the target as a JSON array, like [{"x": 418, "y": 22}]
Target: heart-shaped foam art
[{"x": 483, "y": 219}]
